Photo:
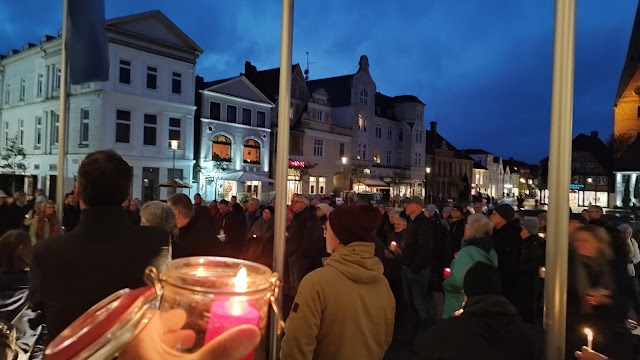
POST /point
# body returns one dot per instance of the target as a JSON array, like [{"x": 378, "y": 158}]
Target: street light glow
[
  {"x": 344, "y": 160},
  {"x": 175, "y": 144},
  {"x": 589, "y": 180},
  {"x": 428, "y": 170}
]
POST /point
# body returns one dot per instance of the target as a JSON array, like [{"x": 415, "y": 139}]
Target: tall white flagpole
[
  {"x": 555, "y": 294},
  {"x": 282, "y": 158},
  {"x": 62, "y": 114}
]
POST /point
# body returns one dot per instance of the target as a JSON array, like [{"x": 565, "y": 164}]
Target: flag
[{"x": 87, "y": 46}]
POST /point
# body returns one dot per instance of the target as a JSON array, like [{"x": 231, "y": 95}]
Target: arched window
[
  {"x": 251, "y": 151},
  {"x": 377, "y": 156},
  {"x": 364, "y": 97},
  {"x": 221, "y": 148}
]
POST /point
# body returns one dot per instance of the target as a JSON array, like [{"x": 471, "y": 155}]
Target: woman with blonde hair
[
  {"x": 45, "y": 223},
  {"x": 157, "y": 213}
]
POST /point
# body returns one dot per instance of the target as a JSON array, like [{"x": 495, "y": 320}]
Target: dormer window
[{"x": 364, "y": 97}]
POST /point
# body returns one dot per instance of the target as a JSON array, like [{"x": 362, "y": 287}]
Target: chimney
[
  {"x": 594, "y": 134},
  {"x": 434, "y": 127},
  {"x": 249, "y": 69}
]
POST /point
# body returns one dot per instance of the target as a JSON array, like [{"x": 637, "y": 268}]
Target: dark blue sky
[{"x": 482, "y": 67}]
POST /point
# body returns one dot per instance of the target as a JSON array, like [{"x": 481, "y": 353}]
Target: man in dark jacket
[
  {"x": 228, "y": 226},
  {"x": 530, "y": 294},
  {"x": 487, "y": 328},
  {"x": 16, "y": 211},
  {"x": 305, "y": 244},
  {"x": 105, "y": 253},
  {"x": 70, "y": 213},
  {"x": 508, "y": 246},
  {"x": 456, "y": 228},
  {"x": 417, "y": 258},
  {"x": 195, "y": 236}
]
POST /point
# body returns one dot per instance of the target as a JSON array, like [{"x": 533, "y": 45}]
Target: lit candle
[
  {"x": 589, "y": 338},
  {"x": 235, "y": 312}
]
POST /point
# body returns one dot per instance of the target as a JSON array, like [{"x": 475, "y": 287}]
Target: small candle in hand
[
  {"x": 589, "y": 334},
  {"x": 225, "y": 315}
]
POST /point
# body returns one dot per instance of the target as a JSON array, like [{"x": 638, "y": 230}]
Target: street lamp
[
  {"x": 343, "y": 160},
  {"x": 426, "y": 182},
  {"x": 175, "y": 145}
]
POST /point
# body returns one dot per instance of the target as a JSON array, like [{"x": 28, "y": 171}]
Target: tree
[
  {"x": 618, "y": 143},
  {"x": 626, "y": 196},
  {"x": 398, "y": 178},
  {"x": 465, "y": 190},
  {"x": 300, "y": 170},
  {"x": 359, "y": 174},
  {"x": 14, "y": 158},
  {"x": 636, "y": 190},
  {"x": 218, "y": 168}
]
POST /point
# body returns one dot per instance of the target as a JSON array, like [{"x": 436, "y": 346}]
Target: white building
[
  {"x": 148, "y": 101},
  {"x": 495, "y": 182},
  {"x": 235, "y": 139}
]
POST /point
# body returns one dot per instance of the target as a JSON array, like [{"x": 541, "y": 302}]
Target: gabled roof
[
  {"x": 267, "y": 81},
  {"x": 592, "y": 144},
  {"x": 174, "y": 35},
  {"x": 476, "y": 152},
  {"x": 407, "y": 98},
  {"x": 632, "y": 61},
  {"x": 630, "y": 159},
  {"x": 226, "y": 87},
  {"x": 384, "y": 107},
  {"x": 434, "y": 141},
  {"x": 338, "y": 88},
  {"x": 477, "y": 165}
]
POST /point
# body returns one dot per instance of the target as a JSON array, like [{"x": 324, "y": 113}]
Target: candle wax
[{"x": 229, "y": 314}]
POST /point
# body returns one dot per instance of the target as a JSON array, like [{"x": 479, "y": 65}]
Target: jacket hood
[
  {"x": 357, "y": 262},
  {"x": 496, "y": 316},
  {"x": 483, "y": 243}
]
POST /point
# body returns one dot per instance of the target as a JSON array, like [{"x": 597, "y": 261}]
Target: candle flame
[
  {"x": 241, "y": 280},
  {"x": 200, "y": 272},
  {"x": 588, "y": 332}
]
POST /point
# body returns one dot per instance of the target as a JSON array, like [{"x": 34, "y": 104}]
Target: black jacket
[
  {"x": 235, "y": 233},
  {"x": 508, "y": 246},
  {"x": 456, "y": 233},
  {"x": 197, "y": 238},
  {"x": 418, "y": 251},
  {"x": 70, "y": 217},
  {"x": 14, "y": 216},
  {"x": 487, "y": 329},
  {"x": 105, "y": 253},
  {"x": 306, "y": 237},
  {"x": 529, "y": 294}
]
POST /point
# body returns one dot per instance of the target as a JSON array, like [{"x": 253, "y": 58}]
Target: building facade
[
  {"x": 494, "y": 184},
  {"x": 626, "y": 108},
  {"x": 235, "y": 136},
  {"x": 147, "y": 101}
]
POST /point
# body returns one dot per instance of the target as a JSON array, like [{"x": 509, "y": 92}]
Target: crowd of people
[{"x": 464, "y": 281}]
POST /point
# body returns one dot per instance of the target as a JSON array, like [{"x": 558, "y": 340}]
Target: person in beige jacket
[{"x": 344, "y": 310}]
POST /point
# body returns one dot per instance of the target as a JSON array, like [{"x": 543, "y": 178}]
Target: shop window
[{"x": 251, "y": 151}]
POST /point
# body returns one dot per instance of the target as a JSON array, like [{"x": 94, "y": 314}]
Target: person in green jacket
[{"x": 477, "y": 245}]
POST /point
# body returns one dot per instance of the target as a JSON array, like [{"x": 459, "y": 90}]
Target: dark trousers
[
  {"x": 298, "y": 268},
  {"x": 417, "y": 299}
]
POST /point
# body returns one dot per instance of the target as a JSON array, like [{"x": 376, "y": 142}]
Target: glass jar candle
[{"x": 216, "y": 294}]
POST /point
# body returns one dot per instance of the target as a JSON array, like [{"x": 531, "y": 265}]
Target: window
[
  {"x": 418, "y": 159},
  {"x": 21, "y": 132},
  {"x": 214, "y": 110},
  {"x": 319, "y": 116},
  {"x": 262, "y": 119},
  {"x": 176, "y": 83},
  {"x": 231, "y": 113},
  {"x": 56, "y": 83},
  {"x": 6, "y": 134},
  {"x": 602, "y": 180},
  {"x": 84, "y": 126},
  {"x": 221, "y": 148},
  {"x": 364, "y": 97},
  {"x": 318, "y": 148},
  {"x": 400, "y": 135},
  {"x": 341, "y": 151},
  {"x": 246, "y": 117},
  {"x": 54, "y": 128},
  {"x": 419, "y": 115},
  {"x": 152, "y": 77},
  {"x": 389, "y": 133},
  {"x": 388, "y": 157},
  {"x": 312, "y": 184},
  {"x": 251, "y": 151},
  {"x": 174, "y": 130},
  {"x": 378, "y": 132},
  {"x": 400, "y": 158},
  {"x": 150, "y": 129},
  {"x": 38, "y": 135},
  {"x": 418, "y": 137},
  {"x": 7, "y": 94},
  {"x": 40, "y": 85},
  {"x": 23, "y": 89},
  {"x": 322, "y": 182},
  {"x": 377, "y": 156},
  {"x": 123, "y": 126},
  {"x": 362, "y": 151},
  {"x": 125, "y": 72},
  {"x": 362, "y": 123}
]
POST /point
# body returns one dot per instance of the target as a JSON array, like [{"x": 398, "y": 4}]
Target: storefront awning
[
  {"x": 243, "y": 176},
  {"x": 375, "y": 183}
]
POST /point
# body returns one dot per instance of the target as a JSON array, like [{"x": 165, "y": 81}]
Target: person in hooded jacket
[
  {"x": 344, "y": 310},
  {"x": 477, "y": 246},
  {"x": 261, "y": 239},
  {"x": 508, "y": 245},
  {"x": 487, "y": 327},
  {"x": 529, "y": 294}
]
